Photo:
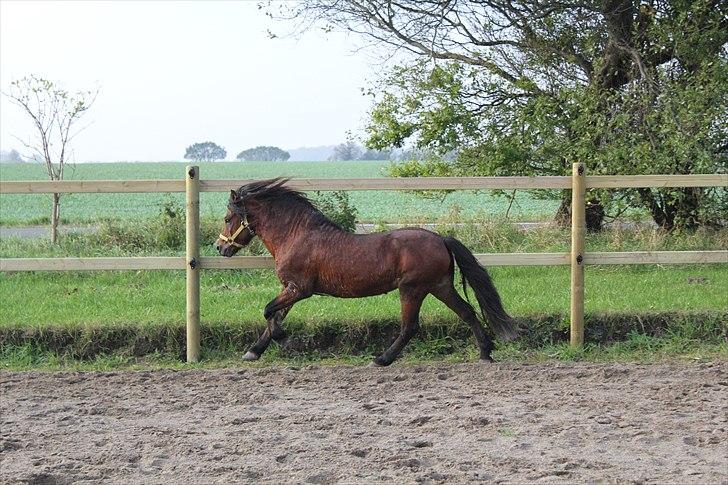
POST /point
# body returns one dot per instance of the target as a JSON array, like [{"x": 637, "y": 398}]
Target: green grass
[
  {"x": 153, "y": 298},
  {"x": 165, "y": 236},
  {"x": 373, "y": 206},
  {"x": 158, "y": 298}
]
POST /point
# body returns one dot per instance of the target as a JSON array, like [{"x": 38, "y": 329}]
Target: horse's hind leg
[
  {"x": 411, "y": 301},
  {"x": 447, "y": 294}
]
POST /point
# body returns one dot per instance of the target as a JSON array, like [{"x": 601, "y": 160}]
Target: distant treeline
[{"x": 346, "y": 151}]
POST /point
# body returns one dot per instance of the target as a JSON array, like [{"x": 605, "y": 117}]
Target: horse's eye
[{"x": 227, "y": 220}]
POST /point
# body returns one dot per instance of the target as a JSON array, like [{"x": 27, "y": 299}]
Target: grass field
[
  {"x": 136, "y": 319},
  {"x": 49, "y": 319},
  {"x": 372, "y": 206}
]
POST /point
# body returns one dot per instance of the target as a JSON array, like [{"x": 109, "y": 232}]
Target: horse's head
[{"x": 236, "y": 232}]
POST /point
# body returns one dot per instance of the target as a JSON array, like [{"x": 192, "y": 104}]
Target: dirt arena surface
[{"x": 440, "y": 423}]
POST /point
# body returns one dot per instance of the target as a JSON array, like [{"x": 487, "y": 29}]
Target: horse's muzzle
[
  {"x": 220, "y": 247},
  {"x": 226, "y": 250}
]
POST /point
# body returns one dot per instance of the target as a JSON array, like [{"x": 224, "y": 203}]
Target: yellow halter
[{"x": 244, "y": 224}]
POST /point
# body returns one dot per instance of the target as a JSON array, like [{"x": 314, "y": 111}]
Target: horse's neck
[{"x": 279, "y": 236}]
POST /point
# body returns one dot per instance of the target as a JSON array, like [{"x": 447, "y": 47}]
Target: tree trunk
[
  {"x": 594, "y": 214},
  {"x": 688, "y": 208},
  {"x": 675, "y": 208},
  {"x": 55, "y": 217},
  {"x": 662, "y": 214},
  {"x": 562, "y": 218}
]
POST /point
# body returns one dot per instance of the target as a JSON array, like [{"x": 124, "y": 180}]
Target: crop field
[{"x": 372, "y": 206}]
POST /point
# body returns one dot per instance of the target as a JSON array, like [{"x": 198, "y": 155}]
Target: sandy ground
[{"x": 551, "y": 422}]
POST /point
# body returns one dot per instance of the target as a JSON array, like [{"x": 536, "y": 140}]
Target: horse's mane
[
  {"x": 271, "y": 189},
  {"x": 287, "y": 203}
]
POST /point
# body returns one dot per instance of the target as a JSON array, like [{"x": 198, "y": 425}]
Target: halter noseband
[{"x": 244, "y": 224}]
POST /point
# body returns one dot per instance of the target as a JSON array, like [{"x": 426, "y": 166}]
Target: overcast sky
[{"x": 173, "y": 73}]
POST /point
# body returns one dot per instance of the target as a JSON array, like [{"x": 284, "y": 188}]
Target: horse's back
[{"x": 371, "y": 264}]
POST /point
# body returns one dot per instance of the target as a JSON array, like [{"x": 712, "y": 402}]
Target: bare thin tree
[{"x": 55, "y": 113}]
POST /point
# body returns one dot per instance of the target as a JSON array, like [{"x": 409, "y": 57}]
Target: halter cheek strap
[{"x": 244, "y": 224}]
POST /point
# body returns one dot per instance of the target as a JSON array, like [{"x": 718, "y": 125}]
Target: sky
[{"x": 173, "y": 73}]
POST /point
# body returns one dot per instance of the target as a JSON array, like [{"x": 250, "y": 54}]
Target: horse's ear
[{"x": 233, "y": 195}]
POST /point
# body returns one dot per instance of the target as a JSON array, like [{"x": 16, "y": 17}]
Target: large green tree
[{"x": 527, "y": 87}]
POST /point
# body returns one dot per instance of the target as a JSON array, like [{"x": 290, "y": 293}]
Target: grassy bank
[
  {"x": 165, "y": 236},
  {"x": 635, "y": 347}
]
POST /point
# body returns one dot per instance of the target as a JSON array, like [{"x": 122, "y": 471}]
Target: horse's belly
[{"x": 355, "y": 287}]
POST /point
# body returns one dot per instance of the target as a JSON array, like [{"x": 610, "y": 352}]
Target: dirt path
[{"x": 425, "y": 423}]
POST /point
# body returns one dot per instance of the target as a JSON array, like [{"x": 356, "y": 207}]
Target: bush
[
  {"x": 165, "y": 231},
  {"x": 170, "y": 233},
  {"x": 337, "y": 207}
]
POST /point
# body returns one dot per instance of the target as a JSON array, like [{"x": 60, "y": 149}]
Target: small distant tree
[
  {"x": 206, "y": 151},
  {"x": 348, "y": 150},
  {"x": 13, "y": 156},
  {"x": 55, "y": 113},
  {"x": 370, "y": 154},
  {"x": 264, "y": 154}
]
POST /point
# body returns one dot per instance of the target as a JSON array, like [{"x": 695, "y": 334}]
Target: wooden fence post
[
  {"x": 192, "y": 206},
  {"x": 578, "y": 230}
]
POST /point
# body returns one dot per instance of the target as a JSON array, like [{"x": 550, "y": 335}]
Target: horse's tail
[{"x": 490, "y": 303}]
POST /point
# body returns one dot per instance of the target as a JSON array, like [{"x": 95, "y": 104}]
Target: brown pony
[{"x": 314, "y": 256}]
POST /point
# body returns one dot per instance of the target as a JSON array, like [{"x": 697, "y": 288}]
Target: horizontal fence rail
[
  {"x": 421, "y": 183},
  {"x": 91, "y": 186},
  {"x": 173, "y": 263},
  {"x": 412, "y": 183},
  {"x": 654, "y": 181},
  {"x": 92, "y": 264},
  {"x": 656, "y": 257},
  {"x": 577, "y": 258}
]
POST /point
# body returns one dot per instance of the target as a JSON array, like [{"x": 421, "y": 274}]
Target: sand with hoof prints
[{"x": 439, "y": 423}]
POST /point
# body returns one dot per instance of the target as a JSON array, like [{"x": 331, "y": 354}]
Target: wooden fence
[{"x": 192, "y": 185}]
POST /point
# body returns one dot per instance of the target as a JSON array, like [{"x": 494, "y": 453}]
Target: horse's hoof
[
  {"x": 487, "y": 360},
  {"x": 379, "y": 363},
  {"x": 250, "y": 356}
]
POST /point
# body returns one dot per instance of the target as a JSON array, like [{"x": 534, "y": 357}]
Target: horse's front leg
[
  {"x": 275, "y": 311},
  {"x": 273, "y": 331}
]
